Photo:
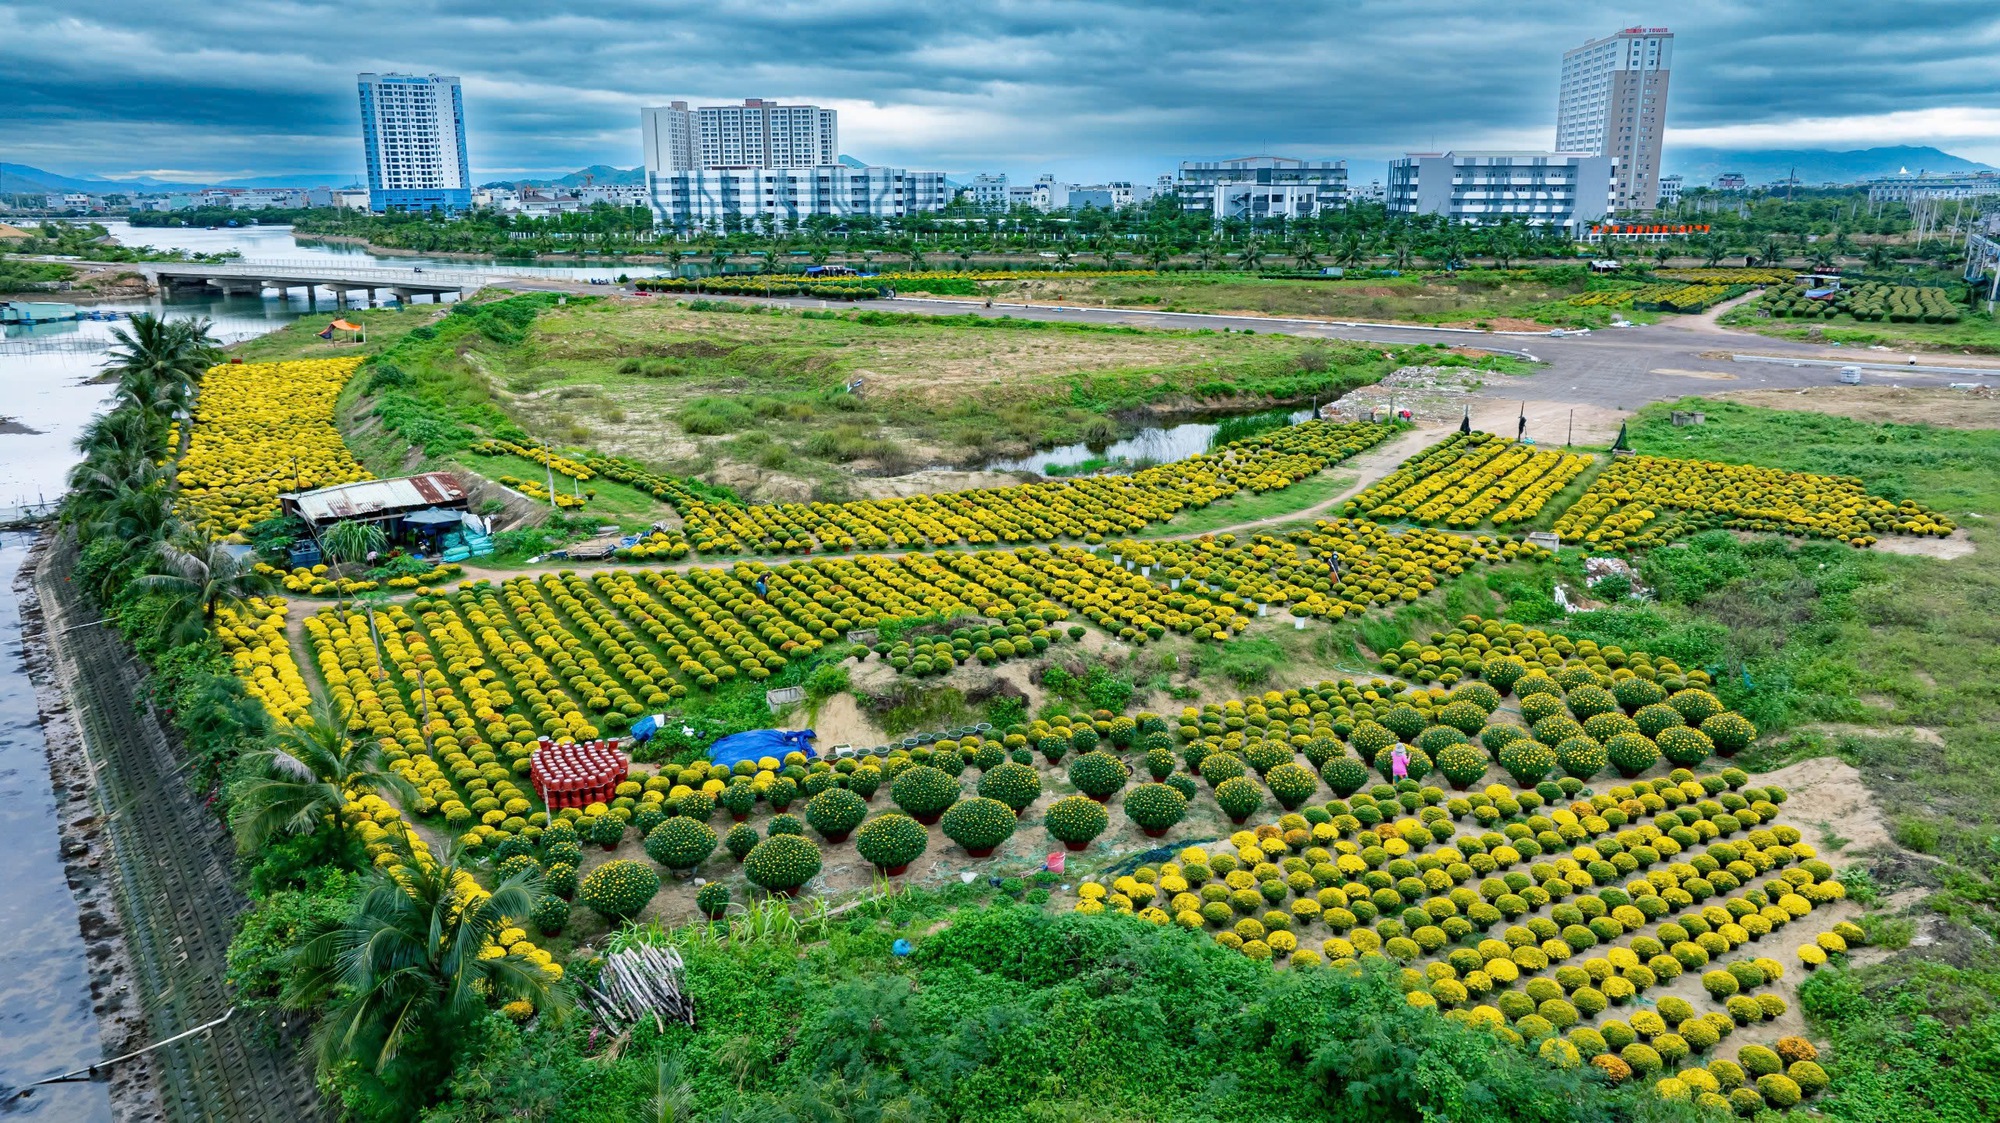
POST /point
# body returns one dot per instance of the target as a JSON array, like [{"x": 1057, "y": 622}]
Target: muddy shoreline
[{"x": 85, "y": 849}]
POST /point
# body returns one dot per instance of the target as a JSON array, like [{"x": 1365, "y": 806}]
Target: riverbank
[
  {"x": 84, "y": 847},
  {"x": 652, "y": 260}
]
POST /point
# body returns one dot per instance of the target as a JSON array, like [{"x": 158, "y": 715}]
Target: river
[{"x": 46, "y": 1023}]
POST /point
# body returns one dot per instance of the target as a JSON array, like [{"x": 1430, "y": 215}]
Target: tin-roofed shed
[{"x": 376, "y": 500}]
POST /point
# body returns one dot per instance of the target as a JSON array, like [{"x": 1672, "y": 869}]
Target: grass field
[{"x": 1476, "y": 298}]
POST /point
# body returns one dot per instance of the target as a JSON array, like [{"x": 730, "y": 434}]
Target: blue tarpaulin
[{"x": 760, "y": 743}]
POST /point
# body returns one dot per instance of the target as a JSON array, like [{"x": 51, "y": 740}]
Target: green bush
[
  {"x": 890, "y": 841},
  {"x": 1580, "y": 757},
  {"x": 1370, "y": 738},
  {"x": 712, "y": 899},
  {"x": 1634, "y": 693},
  {"x": 978, "y": 823},
  {"x": 1016, "y": 785},
  {"x": 1345, "y": 775},
  {"x": 1266, "y": 755},
  {"x": 1685, "y": 747},
  {"x": 1293, "y": 784},
  {"x": 1729, "y": 732},
  {"x": 1155, "y": 807},
  {"x": 680, "y": 843},
  {"x": 1463, "y": 714},
  {"x": 784, "y": 824},
  {"x": 1097, "y": 774},
  {"x": 1631, "y": 753},
  {"x": 560, "y": 879},
  {"x": 1497, "y": 737},
  {"x": 1587, "y": 702},
  {"x": 1219, "y": 767},
  {"x": 618, "y": 889},
  {"x": 742, "y": 839},
  {"x": 1078, "y": 819},
  {"x": 1657, "y": 718},
  {"x": 1461, "y": 764},
  {"x": 835, "y": 812},
  {"x": 550, "y": 914},
  {"x": 1527, "y": 761},
  {"x": 1238, "y": 797},
  {"x": 782, "y": 863},
  {"x": 923, "y": 791},
  {"x": 1694, "y": 705}
]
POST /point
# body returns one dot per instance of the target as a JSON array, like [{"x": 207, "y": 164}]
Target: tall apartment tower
[
  {"x": 1614, "y": 103},
  {"x": 414, "y": 131},
  {"x": 756, "y": 134}
]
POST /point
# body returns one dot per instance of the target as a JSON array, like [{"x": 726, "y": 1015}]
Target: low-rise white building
[
  {"x": 1261, "y": 187},
  {"x": 706, "y": 197},
  {"x": 1566, "y": 189},
  {"x": 989, "y": 192},
  {"x": 1670, "y": 190}
]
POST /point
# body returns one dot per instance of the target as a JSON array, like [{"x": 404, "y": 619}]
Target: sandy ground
[
  {"x": 1951, "y": 409},
  {"x": 933, "y": 480},
  {"x": 1958, "y": 544},
  {"x": 1439, "y": 398}
]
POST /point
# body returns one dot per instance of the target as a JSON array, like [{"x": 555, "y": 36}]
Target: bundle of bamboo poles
[{"x": 638, "y": 982}]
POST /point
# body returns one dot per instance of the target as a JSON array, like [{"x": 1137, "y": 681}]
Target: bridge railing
[{"x": 310, "y": 271}]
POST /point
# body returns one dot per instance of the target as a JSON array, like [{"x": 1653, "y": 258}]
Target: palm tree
[
  {"x": 201, "y": 575},
  {"x": 1157, "y": 252},
  {"x": 1879, "y": 257},
  {"x": 304, "y": 778},
  {"x": 1713, "y": 249},
  {"x": 1251, "y": 255},
  {"x": 1205, "y": 254},
  {"x": 1303, "y": 256},
  {"x": 166, "y": 358},
  {"x": 1506, "y": 245},
  {"x": 1402, "y": 249},
  {"x": 1352, "y": 250},
  {"x": 1772, "y": 252},
  {"x": 402, "y": 979},
  {"x": 352, "y": 540},
  {"x": 1820, "y": 258},
  {"x": 1663, "y": 253}
]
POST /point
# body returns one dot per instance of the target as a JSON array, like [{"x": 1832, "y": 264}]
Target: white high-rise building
[
  {"x": 756, "y": 134},
  {"x": 414, "y": 130},
  {"x": 1614, "y": 103}
]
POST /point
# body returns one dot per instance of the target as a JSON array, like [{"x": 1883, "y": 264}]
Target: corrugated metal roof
[{"x": 373, "y": 498}]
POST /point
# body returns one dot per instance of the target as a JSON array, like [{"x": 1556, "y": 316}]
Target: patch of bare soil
[
  {"x": 1830, "y": 791},
  {"x": 931, "y": 481},
  {"x": 1957, "y": 544},
  {"x": 841, "y": 721},
  {"x": 1951, "y": 409}
]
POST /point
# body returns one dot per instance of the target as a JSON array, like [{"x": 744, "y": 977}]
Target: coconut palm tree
[
  {"x": 1879, "y": 257},
  {"x": 162, "y": 361},
  {"x": 304, "y": 777},
  {"x": 1713, "y": 249},
  {"x": 1352, "y": 249},
  {"x": 402, "y": 979},
  {"x": 1251, "y": 255},
  {"x": 1304, "y": 256},
  {"x": 201, "y": 575},
  {"x": 1772, "y": 252}
]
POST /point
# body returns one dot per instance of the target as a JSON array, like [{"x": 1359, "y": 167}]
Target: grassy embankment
[{"x": 1474, "y": 298}]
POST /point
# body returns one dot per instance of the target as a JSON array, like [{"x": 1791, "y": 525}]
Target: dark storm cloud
[{"x": 1087, "y": 88}]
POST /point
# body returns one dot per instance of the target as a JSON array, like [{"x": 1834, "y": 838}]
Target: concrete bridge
[{"x": 252, "y": 278}]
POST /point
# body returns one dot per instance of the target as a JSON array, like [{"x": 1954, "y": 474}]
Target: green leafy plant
[
  {"x": 1155, "y": 807},
  {"x": 618, "y": 889},
  {"x": 978, "y": 824},
  {"x": 1238, "y": 797},
  {"x": 891, "y": 841},
  {"x": 680, "y": 844},
  {"x": 835, "y": 812},
  {"x": 1097, "y": 774},
  {"x": 782, "y": 863},
  {"x": 1076, "y": 820},
  {"x": 1292, "y": 783},
  {"x": 712, "y": 899},
  {"x": 924, "y": 792}
]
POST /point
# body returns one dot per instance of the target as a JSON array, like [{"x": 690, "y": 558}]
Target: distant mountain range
[
  {"x": 1813, "y": 166},
  {"x": 21, "y": 177}
]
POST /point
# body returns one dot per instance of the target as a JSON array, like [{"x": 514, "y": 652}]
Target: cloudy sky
[{"x": 1089, "y": 89}]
